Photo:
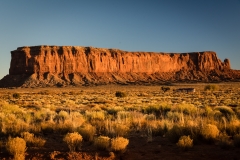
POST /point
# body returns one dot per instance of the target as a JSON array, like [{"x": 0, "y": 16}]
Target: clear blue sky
[{"x": 132, "y": 25}]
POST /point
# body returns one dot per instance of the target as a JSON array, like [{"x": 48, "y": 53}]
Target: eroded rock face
[{"x": 51, "y": 65}]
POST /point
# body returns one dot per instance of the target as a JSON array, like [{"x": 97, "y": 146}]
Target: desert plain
[{"x": 153, "y": 123}]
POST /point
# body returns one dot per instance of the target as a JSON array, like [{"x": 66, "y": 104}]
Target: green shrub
[
  {"x": 102, "y": 142},
  {"x": 16, "y": 95},
  {"x": 211, "y": 87},
  {"x": 73, "y": 140},
  {"x": 185, "y": 142},
  {"x": 120, "y": 94},
  {"x": 119, "y": 144},
  {"x": 209, "y": 132},
  {"x": 16, "y": 147}
]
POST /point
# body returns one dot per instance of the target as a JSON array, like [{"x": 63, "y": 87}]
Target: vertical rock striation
[{"x": 51, "y": 65}]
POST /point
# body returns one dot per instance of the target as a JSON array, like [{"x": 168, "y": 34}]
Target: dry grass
[
  {"x": 32, "y": 141},
  {"x": 145, "y": 112}
]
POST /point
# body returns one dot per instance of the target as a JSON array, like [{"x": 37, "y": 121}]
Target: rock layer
[{"x": 64, "y": 65}]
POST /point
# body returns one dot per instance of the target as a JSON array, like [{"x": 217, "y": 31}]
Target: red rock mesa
[{"x": 41, "y": 66}]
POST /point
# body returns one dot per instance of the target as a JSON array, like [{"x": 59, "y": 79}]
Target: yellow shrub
[
  {"x": 99, "y": 115},
  {"x": 121, "y": 129},
  {"x": 73, "y": 140},
  {"x": 210, "y": 132},
  {"x": 16, "y": 147},
  {"x": 102, "y": 142},
  {"x": 28, "y": 137},
  {"x": 185, "y": 142},
  {"x": 31, "y": 140},
  {"x": 87, "y": 131},
  {"x": 63, "y": 115},
  {"x": 119, "y": 144}
]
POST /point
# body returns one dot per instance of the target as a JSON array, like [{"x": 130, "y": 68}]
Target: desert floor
[{"x": 80, "y": 99}]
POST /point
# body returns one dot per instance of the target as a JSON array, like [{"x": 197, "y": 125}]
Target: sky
[{"x": 131, "y": 25}]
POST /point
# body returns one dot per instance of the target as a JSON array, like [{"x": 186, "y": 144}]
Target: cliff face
[{"x": 52, "y": 65}]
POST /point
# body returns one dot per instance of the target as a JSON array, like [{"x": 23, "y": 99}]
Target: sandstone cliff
[{"x": 73, "y": 65}]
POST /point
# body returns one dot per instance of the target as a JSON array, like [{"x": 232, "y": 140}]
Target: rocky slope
[{"x": 72, "y": 65}]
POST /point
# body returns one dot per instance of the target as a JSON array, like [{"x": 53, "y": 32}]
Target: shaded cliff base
[{"x": 90, "y": 79}]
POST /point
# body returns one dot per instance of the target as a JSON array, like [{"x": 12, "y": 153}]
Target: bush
[
  {"x": 16, "y": 147},
  {"x": 73, "y": 140},
  {"x": 165, "y": 89},
  {"x": 120, "y": 94},
  {"x": 31, "y": 140},
  {"x": 119, "y": 144},
  {"x": 225, "y": 141},
  {"x": 63, "y": 115},
  {"x": 188, "y": 109},
  {"x": 102, "y": 142},
  {"x": 53, "y": 154},
  {"x": 121, "y": 129},
  {"x": 211, "y": 87},
  {"x": 164, "y": 108},
  {"x": 210, "y": 132},
  {"x": 185, "y": 142},
  {"x": 152, "y": 110},
  {"x": 87, "y": 131},
  {"x": 226, "y": 111},
  {"x": 175, "y": 133},
  {"x": 95, "y": 115},
  {"x": 158, "y": 110},
  {"x": 16, "y": 95},
  {"x": 28, "y": 137}
]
